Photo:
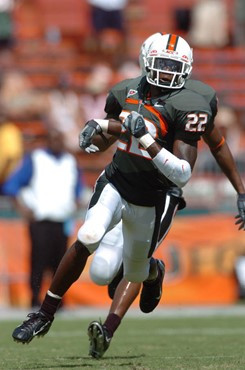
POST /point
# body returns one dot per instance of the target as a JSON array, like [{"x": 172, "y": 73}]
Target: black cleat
[
  {"x": 152, "y": 292},
  {"x": 113, "y": 285},
  {"x": 37, "y": 325},
  {"x": 98, "y": 338}
]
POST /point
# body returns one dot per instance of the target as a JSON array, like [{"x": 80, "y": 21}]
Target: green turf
[{"x": 139, "y": 344}]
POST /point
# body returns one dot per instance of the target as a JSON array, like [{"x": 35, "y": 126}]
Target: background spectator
[
  {"x": 108, "y": 27},
  {"x": 239, "y": 24},
  {"x": 64, "y": 112},
  {"x": 6, "y": 24},
  {"x": 47, "y": 206},
  {"x": 92, "y": 100},
  {"x": 18, "y": 97},
  {"x": 11, "y": 147},
  {"x": 209, "y": 24}
]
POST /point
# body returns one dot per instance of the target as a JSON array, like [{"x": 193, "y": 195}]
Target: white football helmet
[{"x": 167, "y": 60}]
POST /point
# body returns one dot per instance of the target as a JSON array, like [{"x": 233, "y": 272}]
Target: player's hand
[
  {"x": 88, "y": 132},
  {"x": 135, "y": 124},
  {"x": 241, "y": 209}
]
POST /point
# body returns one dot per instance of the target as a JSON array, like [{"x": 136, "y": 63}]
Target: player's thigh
[
  {"x": 108, "y": 257},
  {"x": 138, "y": 229},
  {"x": 101, "y": 217}
]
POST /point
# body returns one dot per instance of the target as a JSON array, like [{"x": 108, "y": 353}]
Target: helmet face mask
[
  {"x": 167, "y": 60},
  {"x": 164, "y": 72}
]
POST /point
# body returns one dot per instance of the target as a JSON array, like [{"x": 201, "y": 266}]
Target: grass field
[{"x": 214, "y": 342}]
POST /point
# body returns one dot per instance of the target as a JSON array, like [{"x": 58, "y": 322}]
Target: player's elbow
[
  {"x": 175, "y": 169},
  {"x": 182, "y": 174}
]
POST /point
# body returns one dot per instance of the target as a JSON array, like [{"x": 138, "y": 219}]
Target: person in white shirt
[{"x": 46, "y": 189}]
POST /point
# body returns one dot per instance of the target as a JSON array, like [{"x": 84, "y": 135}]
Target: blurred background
[{"x": 58, "y": 60}]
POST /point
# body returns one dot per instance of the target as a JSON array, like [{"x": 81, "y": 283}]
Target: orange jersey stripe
[
  {"x": 163, "y": 124},
  {"x": 132, "y": 101}
]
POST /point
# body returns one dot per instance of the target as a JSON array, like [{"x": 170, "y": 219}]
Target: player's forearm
[
  {"x": 105, "y": 128},
  {"x": 175, "y": 169},
  {"x": 111, "y": 130},
  {"x": 104, "y": 142},
  {"x": 228, "y": 166},
  {"x": 110, "y": 126}
]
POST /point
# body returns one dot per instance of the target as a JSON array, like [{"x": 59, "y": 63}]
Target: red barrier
[{"x": 199, "y": 253}]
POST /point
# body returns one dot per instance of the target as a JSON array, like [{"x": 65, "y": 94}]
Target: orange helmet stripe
[{"x": 172, "y": 42}]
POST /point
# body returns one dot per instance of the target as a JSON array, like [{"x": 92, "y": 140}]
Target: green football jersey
[{"x": 183, "y": 114}]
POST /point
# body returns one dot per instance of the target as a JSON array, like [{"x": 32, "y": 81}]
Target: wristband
[
  {"x": 103, "y": 123},
  {"x": 146, "y": 140}
]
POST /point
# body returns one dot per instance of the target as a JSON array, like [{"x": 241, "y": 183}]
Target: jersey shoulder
[
  {"x": 126, "y": 88},
  {"x": 201, "y": 88},
  {"x": 189, "y": 100},
  {"x": 126, "y": 84}
]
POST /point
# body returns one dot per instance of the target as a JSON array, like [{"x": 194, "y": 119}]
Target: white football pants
[{"x": 119, "y": 231}]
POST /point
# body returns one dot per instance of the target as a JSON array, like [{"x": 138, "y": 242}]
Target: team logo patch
[{"x": 131, "y": 92}]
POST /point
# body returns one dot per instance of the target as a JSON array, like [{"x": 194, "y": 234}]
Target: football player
[
  {"x": 101, "y": 334},
  {"x": 158, "y": 119}
]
